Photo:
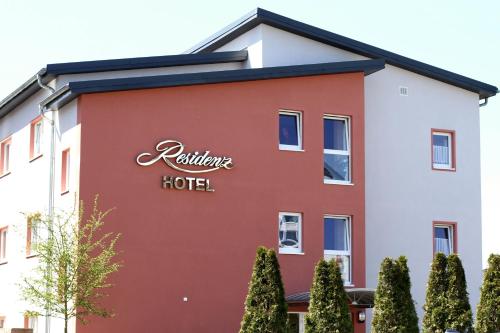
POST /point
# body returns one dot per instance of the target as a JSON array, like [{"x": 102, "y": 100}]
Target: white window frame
[
  {"x": 5, "y": 150},
  {"x": 287, "y": 250},
  {"x": 348, "y": 252},
  {"x": 66, "y": 162},
  {"x": 347, "y": 152},
  {"x": 302, "y": 322},
  {"x": 298, "y": 117},
  {"x": 451, "y": 234},
  {"x": 37, "y": 138},
  {"x": 33, "y": 324},
  {"x": 450, "y": 151},
  {"x": 3, "y": 244}
]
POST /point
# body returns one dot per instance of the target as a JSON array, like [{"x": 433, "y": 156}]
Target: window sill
[
  {"x": 444, "y": 169},
  {"x": 3, "y": 262},
  {"x": 330, "y": 182},
  {"x": 292, "y": 253},
  {"x": 64, "y": 192},
  {"x": 31, "y": 256},
  {"x": 291, "y": 148},
  {"x": 34, "y": 158},
  {"x": 5, "y": 174},
  {"x": 349, "y": 285}
]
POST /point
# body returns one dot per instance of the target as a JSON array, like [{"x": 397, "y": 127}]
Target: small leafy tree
[
  {"x": 488, "y": 310},
  {"x": 74, "y": 262},
  {"x": 459, "y": 310},
  {"x": 394, "y": 307},
  {"x": 408, "y": 314},
  {"x": 265, "y": 306},
  {"x": 328, "y": 306},
  {"x": 435, "y": 307}
]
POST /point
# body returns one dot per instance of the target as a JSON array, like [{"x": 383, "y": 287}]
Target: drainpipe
[
  {"x": 52, "y": 123},
  {"x": 484, "y": 103}
]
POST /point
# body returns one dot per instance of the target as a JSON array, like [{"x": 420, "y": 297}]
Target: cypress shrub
[
  {"x": 435, "y": 307},
  {"x": 265, "y": 307},
  {"x": 328, "y": 306},
  {"x": 394, "y": 307},
  {"x": 488, "y": 310},
  {"x": 459, "y": 310},
  {"x": 408, "y": 315}
]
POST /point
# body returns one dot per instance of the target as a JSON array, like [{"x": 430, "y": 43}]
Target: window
[
  {"x": 32, "y": 235},
  {"x": 65, "y": 171},
  {"x": 2, "y": 322},
  {"x": 5, "y": 156},
  {"x": 36, "y": 138},
  {"x": 337, "y": 244},
  {"x": 296, "y": 322},
  {"x": 443, "y": 147},
  {"x": 31, "y": 322},
  {"x": 444, "y": 237},
  {"x": 3, "y": 245},
  {"x": 290, "y": 225},
  {"x": 290, "y": 124},
  {"x": 337, "y": 150}
]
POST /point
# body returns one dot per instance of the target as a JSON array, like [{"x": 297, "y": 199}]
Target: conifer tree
[
  {"x": 328, "y": 307},
  {"x": 265, "y": 307},
  {"x": 488, "y": 310},
  {"x": 394, "y": 307},
  {"x": 459, "y": 310},
  {"x": 435, "y": 307},
  {"x": 408, "y": 314}
]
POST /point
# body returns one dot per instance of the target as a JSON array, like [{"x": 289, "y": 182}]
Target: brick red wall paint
[{"x": 201, "y": 245}]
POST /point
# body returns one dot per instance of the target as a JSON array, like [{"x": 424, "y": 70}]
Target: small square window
[
  {"x": 443, "y": 150},
  {"x": 290, "y": 130},
  {"x": 36, "y": 138},
  {"x": 444, "y": 238},
  {"x": 290, "y": 233},
  {"x": 337, "y": 243},
  {"x": 5, "y": 154},
  {"x": 337, "y": 150}
]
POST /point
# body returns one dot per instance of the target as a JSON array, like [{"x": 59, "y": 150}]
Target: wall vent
[{"x": 403, "y": 91}]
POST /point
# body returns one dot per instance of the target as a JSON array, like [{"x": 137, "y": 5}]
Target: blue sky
[{"x": 459, "y": 35}]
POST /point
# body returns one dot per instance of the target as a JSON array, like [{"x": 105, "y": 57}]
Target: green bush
[
  {"x": 394, "y": 310},
  {"x": 488, "y": 310},
  {"x": 265, "y": 307},
  {"x": 459, "y": 310},
  {"x": 328, "y": 306},
  {"x": 435, "y": 307}
]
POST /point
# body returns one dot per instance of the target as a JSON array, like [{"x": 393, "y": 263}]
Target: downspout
[
  {"x": 484, "y": 103},
  {"x": 52, "y": 123}
]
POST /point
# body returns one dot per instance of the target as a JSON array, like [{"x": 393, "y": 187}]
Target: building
[{"x": 208, "y": 154}]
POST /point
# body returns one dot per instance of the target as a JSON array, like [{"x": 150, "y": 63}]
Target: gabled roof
[
  {"x": 261, "y": 16},
  {"x": 73, "y": 89},
  {"x": 31, "y": 86}
]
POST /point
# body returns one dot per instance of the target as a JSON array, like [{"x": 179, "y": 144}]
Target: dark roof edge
[
  {"x": 146, "y": 62},
  {"x": 30, "y": 87},
  {"x": 259, "y": 16},
  {"x": 74, "y": 89}
]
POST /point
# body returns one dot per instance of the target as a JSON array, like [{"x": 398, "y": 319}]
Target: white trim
[
  {"x": 291, "y": 250},
  {"x": 298, "y": 119},
  {"x": 3, "y": 244},
  {"x": 451, "y": 235},
  {"x": 347, "y": 152}
]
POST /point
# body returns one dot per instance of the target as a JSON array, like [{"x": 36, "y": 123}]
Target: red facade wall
[{"x": 200, "y": 245}]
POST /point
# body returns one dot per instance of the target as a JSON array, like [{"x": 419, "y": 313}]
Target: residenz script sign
[{"x": 171, "y": 152}]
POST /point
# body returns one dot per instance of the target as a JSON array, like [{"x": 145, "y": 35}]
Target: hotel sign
[{"x": 171, "y": 152}]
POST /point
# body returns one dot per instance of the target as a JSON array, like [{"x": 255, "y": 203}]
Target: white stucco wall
[{"x": 403, "y": 194}]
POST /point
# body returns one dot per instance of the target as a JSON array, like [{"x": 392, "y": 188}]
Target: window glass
[
  {"x": 443, "y": 239},
  {"x": 290, "y": 233},
  {"x": 293, "y": 323},
  {"x": 335, "y": 136},
  {"x": 5, "y": 157},
  {"x": 441, "y": 149},
  {"x": 289, "y": 130},
  {"x": 336, "y": 167},
  {"x": 37, "y": 138},
  {"x": 3, "y": 244}
]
